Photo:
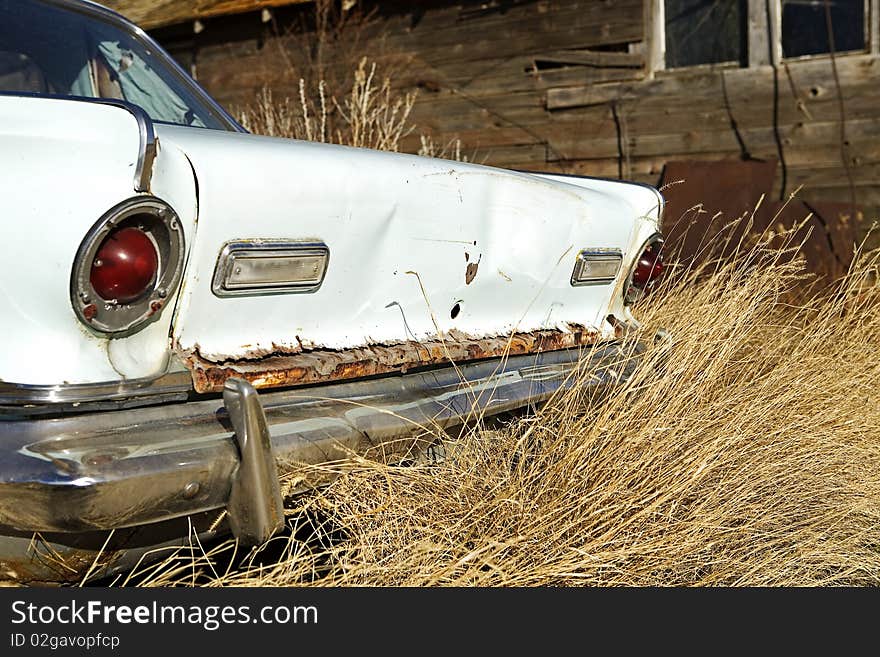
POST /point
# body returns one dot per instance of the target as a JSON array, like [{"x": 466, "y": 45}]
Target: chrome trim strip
[
  {"x": 266, "y": 248},
  {"x": 596, "y": 254},
  {"x": 127, "y": 468},
  {"x": 34, "y": 399},
  {"x": 143, "y": 172},
  {"x": 148, "y": 144}
]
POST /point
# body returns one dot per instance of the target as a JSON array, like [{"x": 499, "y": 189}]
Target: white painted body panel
[
  {"x": 64, "y": 163},
  {"x": 401, "y": 231}
]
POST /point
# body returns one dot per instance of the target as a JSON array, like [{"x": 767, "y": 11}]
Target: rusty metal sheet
[
  {"x": 305, "y": 366},
  {"x": 704, "y": 200},
  {"x": 702, "y": 197}
]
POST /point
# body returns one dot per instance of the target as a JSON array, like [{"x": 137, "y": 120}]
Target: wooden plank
[
  {"x": 874, "y": 37},
  {"x": 657, "y": 115},
  {"x": 693, "y": 140},
  {"x": 586, "y": 96},
  {"x": 150, "y": 14},
  {"x": 593, "y": 58},
  {"x": 811, "y": 76},
  {"x": 774, "y": 10},
  {"x": 664, "y": 86},
  {"x": 835, "y": 176},
  {"x": 867, "y": 197},
  {"x": 506, "y": 156},
  {"x": 609, "y": 167},
  {"x": 507, "y": 75},
  {"x": 575, "y": 76},
  {"x": 759, "y": 37},
  {"x": 655, "y": 35},
  {"x": 527, "y": 28}
]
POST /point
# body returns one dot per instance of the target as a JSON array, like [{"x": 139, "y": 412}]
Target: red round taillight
[
  {"x": 649, "y": 267},
  {"x": 125, "y": 266},
  {"x": 128, "y": 267}
]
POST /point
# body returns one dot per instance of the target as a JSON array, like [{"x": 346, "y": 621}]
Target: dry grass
[
  {"x": 746, "y": 451},
  {"x": 370, "y": 115}
]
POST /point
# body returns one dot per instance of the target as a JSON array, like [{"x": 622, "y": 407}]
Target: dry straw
[
  {"x": 745, "y": 451},
  {"x": 371, "y": 114}
]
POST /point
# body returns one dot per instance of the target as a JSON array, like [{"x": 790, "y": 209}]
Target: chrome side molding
[
  {"x": 148, "y": 149},
  {"x": 22, "y": 399},
  {"x": 143, "y": 172},
  {"x": 255, "y": 508}
]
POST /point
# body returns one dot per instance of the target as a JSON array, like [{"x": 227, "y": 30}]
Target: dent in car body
[{"x": 396, "y": 227}]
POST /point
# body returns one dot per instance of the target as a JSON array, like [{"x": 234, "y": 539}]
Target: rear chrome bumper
[{"x": 128, "y": 468}]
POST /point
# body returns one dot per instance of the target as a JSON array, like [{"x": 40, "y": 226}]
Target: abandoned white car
[{"x": 191, "y": 311}]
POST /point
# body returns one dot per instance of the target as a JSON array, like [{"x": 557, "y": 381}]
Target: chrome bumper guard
[
  {"x": 255, "y": 508},
  {"x": 125, "y": 468}
]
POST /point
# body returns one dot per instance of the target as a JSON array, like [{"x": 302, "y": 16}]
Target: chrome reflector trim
[
  {"x": 259, "y": 267},
  {"x": 596, "y": 267},
  {"x": 21, "y": 399}
]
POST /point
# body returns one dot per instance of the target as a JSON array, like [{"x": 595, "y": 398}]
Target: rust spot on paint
[
  {"x": 90, "y": 311},
  {"x": 470, "y": 272},
  {"x": 155, "y": 307},
  {"x": 620, "y": 328},
  {"x": 297, "y": 366}
]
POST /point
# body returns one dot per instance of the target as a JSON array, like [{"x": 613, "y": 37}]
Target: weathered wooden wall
[
  {"x": 157, "y": 13},
  {"x": 562, "y": 85}
]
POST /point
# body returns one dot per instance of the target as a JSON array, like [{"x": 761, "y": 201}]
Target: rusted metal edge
[{"x": 305, "y": 366}]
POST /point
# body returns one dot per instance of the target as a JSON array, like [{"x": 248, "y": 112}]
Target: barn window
[
  {"x": 805, "y": 26},
  {"x": 705, "y": 32}
]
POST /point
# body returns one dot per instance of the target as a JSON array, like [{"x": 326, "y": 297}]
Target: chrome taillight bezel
[
  {"x": 632, "y": 292},
  {"x": 111, "y": 318}
]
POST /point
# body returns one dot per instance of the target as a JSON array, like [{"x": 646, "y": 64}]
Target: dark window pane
[
  {"x": 805, "y": 28},
  {"x": 705, "y": 32},
  {"x": 53, "y": 49}
]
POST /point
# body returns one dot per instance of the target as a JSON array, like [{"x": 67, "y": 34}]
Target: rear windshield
[{"x": 53, "y": 50}]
